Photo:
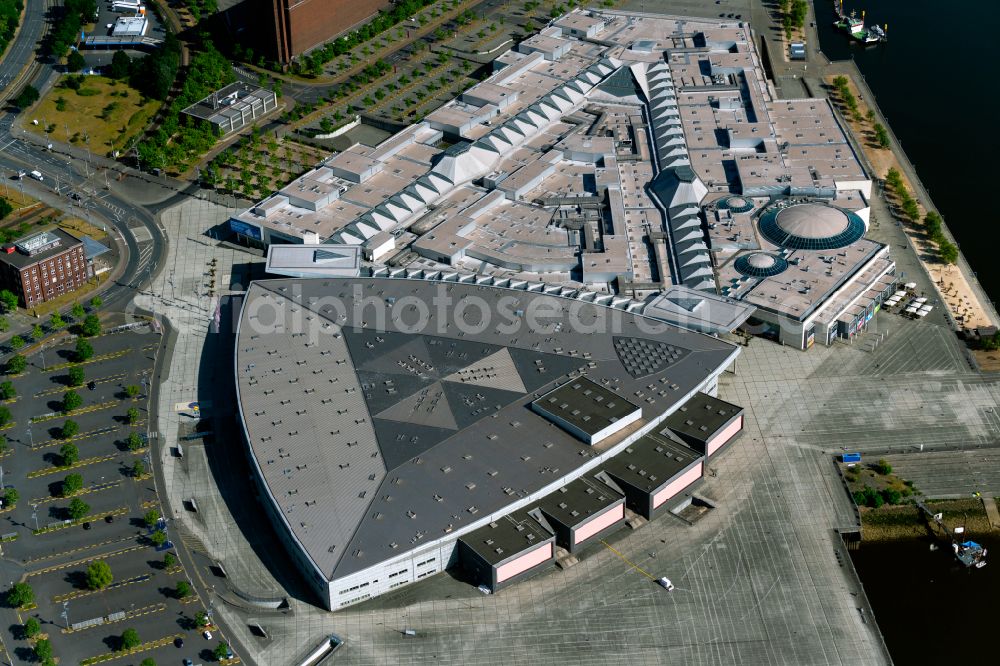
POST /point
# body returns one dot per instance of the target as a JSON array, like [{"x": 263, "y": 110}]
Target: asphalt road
[{"x": 21, "y": 53}]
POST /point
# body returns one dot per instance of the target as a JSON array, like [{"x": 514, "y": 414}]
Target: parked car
[
  {"x": 179, "y": 642},
  {"x": 207, "y": 634},
  {"x": 665, "y": 584},
  {"x": 86, "y": 526}
]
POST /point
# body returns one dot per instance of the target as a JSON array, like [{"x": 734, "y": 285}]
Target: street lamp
[
  {"x": 65, "y": 613},
  {"x": 34, "y": 515}
]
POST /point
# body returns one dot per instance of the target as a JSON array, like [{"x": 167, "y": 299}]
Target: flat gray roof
[
  {"x": 372, "y": 437},
  {"x": 650, "y": 462},
  {"x": 702, "y": 416},
  {"x": 585, "y": 405},
  {"x": 578, "y": 501},
  {"x": 506, "y": 537}
]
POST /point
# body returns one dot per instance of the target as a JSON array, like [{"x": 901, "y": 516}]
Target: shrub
[
  {"x": 78, "y": 509},
  {"x": 69, "y": 429},
  {"x": 882, "y": 466},
  {"x": 16, "y": 364},
  {"x": 68, "y": 453},
  {"x": 134, "y": 441},
  {"x": 99, "y": 575},
  {"x": 84, "y": 351},
  {"x": 7, "y": 391},
  {"x": 31, "y": 627},
  {"x": 183, "y": 589},
  {"x": 130, "y": 639},
  {"x": 71, "y": 400},
  {"x": 76, "y": 376},
  {"x": 151, "y": 518},
  {"x": 21, "y": 595},
  {"x": 72, "y": 484}
]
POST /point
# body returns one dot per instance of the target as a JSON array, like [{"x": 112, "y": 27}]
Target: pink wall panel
[
  {"x": 525, "y": 562},
  {"x": 597, "y": 524},
  {"x": 677, "y": 485},
  {"x": 724, "y": 436}
]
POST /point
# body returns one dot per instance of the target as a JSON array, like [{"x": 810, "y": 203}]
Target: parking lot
[{"x": 56, "y": 531}]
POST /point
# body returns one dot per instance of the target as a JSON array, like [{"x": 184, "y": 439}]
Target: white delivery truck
[{"x": 37, "y": 175}]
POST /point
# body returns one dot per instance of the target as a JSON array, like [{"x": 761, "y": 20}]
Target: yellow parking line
[
  {"x": 87, "y": 560},
  {"x": 629, "y": 562}
]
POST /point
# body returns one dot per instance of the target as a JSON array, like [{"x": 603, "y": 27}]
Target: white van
[{"x": 37, "y": 175}]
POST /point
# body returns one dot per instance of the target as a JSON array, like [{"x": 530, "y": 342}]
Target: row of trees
[
  {"x": 932, "y": 223},
  {"x": 66, "y": 29},
  {"x": 313, "y": 63},
  {"x": 181, "y": 138},
  {"x": 793, "y": 15},
  {"x": 842, "y": 85},
  {"x": 10, "y": 15}
]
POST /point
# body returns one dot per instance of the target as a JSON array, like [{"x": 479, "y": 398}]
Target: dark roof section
[
  {"x": 19, "y": 260},
  {"x": 702, "y": 416},
  {"x": 578, "y": 501},
  {"x": 585, "y": 404},
  {"x": 354, "y": 478},
  {"x": 506, "y": 537},
  {"x": 650, "y": 462}
]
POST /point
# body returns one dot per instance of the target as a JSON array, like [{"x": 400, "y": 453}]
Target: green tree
[
  {"x": 201, "y": 618},
  {"x": 84, "y": 351},
  {"x": 159, "y": 537},
  {"x": 99, "y": 575},
  {"x": 881, "y": 135},
  {"x": 75, "y": 61},
  {"x": 138, "y": 469},
  {"x": 3, "y": 444},
  {"x": 883, "y": 466},
  {"x": 91, "y": 326},
  {"x": 5, "y": 208},
  {"x": 10, "y": 497},
  {"x": 148, "y": 661},
  {"x": 76, "y": 376},
  {"x": 68, "y": 453},
  {"x": 132, "y": 414},
  {"x": 27, "y": 97},
  {"x": 221, "y": 651},
  {"x": 16, "y": 364},
  {"x": 17, "y": 342},
  {"x": 32, "y": 627},
  {"x": 8, "y": 299},
  {"x": 43, "y": 650},
  {"x": 134, "y": 441},
  {"x": 96, "y": 301},
  {"x": 56, "y": 321},
  {"x": 78, "y": 508},
  {"x": 5, "y": 416},
  {"x": 37, "y": 332},
  {"x": 72, "y": 484},
  {"x": 948, "y": 252},
  {"x": 132, "y": 390},
  {"x": 71, "y": 400},
  {"x": 169, "y": 560},
  {"x": 151, "y": 517},
  {"x": 77, "y": 310},
  {"x": 121, "y": 65},
  {"x": 130, "y": 639},
  {"x": 7, "y": 391},
  {"x": 20, "y": 595},
  {"x": 4, "y": 325},
  {"x": 183, "y": 589}
]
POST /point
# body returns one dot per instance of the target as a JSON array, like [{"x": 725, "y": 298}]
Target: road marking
[
  {"x": 76, "y": 594},
  {"x": 628, "y": 562},
  {"x": 86, "y": 560},
  {"x": 63, "y": 389},
  {"x": 138, "y": 612},
  {"x": 90, "y": 433},
  {"x": 82, "y": 491},
  {"x": 42, "y": 558},
  {"x": 80, "y": 463},
  {"x": 76, "y": 412}
]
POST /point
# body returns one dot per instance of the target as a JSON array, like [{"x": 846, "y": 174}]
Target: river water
[
  {"x": 930, "y": 609},
  {"x": 934, "y": 82}
]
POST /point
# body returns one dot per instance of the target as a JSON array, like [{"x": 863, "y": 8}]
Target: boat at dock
[
  {"x": 970, "y": 554},
  {"x": 855, "y": 27}
]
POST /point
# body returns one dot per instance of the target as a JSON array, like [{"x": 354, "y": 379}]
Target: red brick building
[
  {"x": 43, "y": 266},
  {"x": 300, "y": 25}
]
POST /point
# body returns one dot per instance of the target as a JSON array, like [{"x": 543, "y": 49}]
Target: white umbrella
[
  {"x": 920, "y": 300},
  {"x": 922, "y": 313},
  {"x": 910, "y": 285}
]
